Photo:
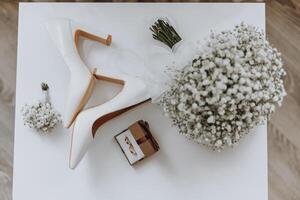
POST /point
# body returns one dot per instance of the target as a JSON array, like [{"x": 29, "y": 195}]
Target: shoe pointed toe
[{"x": 80, "y": 141}]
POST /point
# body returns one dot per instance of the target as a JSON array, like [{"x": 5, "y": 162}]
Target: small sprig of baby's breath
[
  {"x": 165, "y": 33},
  {"x": 41, "y": 116}
]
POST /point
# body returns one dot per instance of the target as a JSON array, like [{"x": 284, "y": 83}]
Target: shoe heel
[
  {"x": 86, "y": 32},
  {"x": 93, "y": 37}
]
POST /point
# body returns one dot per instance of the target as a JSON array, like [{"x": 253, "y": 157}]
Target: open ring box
[{"x": 137, "y": 142}]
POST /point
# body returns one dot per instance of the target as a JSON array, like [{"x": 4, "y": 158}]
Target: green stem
[{"x": 165, "y": 33}]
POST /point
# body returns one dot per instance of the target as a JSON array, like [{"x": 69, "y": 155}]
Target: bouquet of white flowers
[
  {"x": 41, "y": 116},
  {"x": 233, "y": 86}
]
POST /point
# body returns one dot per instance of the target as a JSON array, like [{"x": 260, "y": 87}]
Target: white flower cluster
[
  {"x": 233, "y": 86},
  {"x": 40, "y": 116}
]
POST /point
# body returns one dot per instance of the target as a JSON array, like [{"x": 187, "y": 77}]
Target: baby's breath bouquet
[
  {"x": 231, "y": 87},
  {"x": 41, "y": 116}
]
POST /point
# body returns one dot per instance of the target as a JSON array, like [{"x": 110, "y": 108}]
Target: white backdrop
[{"x": 181, "y": 169}]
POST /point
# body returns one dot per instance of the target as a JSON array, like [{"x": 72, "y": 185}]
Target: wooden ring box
[{"x": 137, "y": 142}]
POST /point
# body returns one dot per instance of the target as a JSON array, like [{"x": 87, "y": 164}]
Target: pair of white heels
[{"x": 86, "y": 122}]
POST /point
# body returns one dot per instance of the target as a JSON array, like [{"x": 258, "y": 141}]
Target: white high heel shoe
[
  {"x": 134, "y": 93},
  {"x": 65, "y": 35}
]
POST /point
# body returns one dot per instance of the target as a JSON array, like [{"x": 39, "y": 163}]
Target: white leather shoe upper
[
  {"x": 62, "y": 33},
  {"x": 134, "y": 91}
]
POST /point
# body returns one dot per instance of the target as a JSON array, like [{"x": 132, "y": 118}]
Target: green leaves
[
  {"x": 165, "y": 33},
  {"x": 44, "y": 86}
]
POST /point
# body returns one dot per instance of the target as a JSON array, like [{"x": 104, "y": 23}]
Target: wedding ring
[{"x": 131, "y": 148}]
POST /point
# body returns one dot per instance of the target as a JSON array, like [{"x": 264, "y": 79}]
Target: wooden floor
[{"x": 283, "y": 30}]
